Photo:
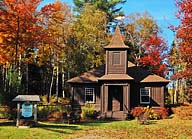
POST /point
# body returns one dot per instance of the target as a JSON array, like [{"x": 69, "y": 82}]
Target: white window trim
[
  {"x": 93, "y": 95},
  {"x": 145, "y": 95}
]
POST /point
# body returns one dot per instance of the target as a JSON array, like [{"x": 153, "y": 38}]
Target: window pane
[
  {"x": 145, "y": 99},
  {"x": 89, "y": 95},
  {"x": 89, "y": 98},
  {"x": 145, "y": 95}
]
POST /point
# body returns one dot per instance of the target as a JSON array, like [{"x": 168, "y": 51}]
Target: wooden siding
[
  {"x": 157, "y": 96},
  {"x": 78, "y": 95},
  {"x": 116, "y": 68}
]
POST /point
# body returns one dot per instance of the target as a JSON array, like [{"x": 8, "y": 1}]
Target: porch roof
[{"x": 116, "y": 77}]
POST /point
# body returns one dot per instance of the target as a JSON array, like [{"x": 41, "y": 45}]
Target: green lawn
[{"x": 162, "y": 129}]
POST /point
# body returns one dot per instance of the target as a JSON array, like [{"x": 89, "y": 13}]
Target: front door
[{"x": 115, "y": 98}]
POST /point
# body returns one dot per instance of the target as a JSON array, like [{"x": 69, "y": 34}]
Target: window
[
  {"x": 145, "y": 95},
  {"x": 89, "y": 95},
  {"x": 116, "y": 60}
]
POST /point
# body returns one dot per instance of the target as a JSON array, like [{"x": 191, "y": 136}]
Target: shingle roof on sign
[{"x": 31, "y": 98}]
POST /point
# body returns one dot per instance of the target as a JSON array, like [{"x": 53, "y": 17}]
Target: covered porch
[{"x": 115, "y": 100}]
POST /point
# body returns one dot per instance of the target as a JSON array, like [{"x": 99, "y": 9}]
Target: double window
[
  {"x": 89, "y": 95},
  {"x": 145, "y": 95}
]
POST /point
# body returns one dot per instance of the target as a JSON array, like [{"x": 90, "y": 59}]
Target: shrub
[
  {"x": 184, "y": 112},
  {"x": 53, "y": 100},
  {"x": 64, "y": 101},
  {"x": 43, "y": 112},
  {"x": 163, "y": 112},
  {"x": 89, "y": 112},
  {"x": 153, "y": 114},
  {"x": 56, "y": 114},
  {"x": 4, "y": 112},
  {"x": 136, "y": 111},
  {"x": 46, "y": 111}
]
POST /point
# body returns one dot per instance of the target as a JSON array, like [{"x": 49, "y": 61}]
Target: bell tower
[{"x": 116, "y": 55}]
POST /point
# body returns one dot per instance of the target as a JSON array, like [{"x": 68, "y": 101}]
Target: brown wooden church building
[{"x": 119, "y": 85}]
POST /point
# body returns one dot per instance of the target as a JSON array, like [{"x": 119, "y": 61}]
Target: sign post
[{"x": 24, "y": 117}]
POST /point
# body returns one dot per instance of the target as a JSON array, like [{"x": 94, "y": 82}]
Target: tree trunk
[
  {"x": 57, "y": 81},
  {"x": 27, "y": 79},
  {"x": 63, "y": 82},
  {"x": 51, "y": 85}
]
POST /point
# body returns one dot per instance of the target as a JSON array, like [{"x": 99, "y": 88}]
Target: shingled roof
[
  {"x": 142, "y": 75},
  {"x": 31, "y": 98},
  {"x": 89, "y": 76},
  {"x": 117, "y": 40},
  {"x": 135, "y": 73}
]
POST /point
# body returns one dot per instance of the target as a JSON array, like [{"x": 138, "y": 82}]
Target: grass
[{"x": 166, "y": 129}]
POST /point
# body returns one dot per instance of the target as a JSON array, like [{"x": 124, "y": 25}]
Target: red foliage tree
[
  {"x": 155, "y": 54},
  {"x": 184, "y": 36}
]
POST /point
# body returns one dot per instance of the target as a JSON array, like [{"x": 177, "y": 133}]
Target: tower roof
[{"x": 117, "y": 40}]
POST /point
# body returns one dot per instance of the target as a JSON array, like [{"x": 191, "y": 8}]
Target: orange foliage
[{"x": 21, "y": 28}]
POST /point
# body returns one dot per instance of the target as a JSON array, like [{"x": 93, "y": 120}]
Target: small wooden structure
[
  {"x": 28, "y": 102},
  {"x": 119, "y": 85}
]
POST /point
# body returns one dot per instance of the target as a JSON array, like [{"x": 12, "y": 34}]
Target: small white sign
[{"x": 27, "y": 110}]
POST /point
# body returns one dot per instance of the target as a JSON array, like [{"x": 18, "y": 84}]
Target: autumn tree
[
  {"x": 181, "y": 54},
  {"x": 138, "y": 27},
  {"x": 89, "y": 35},
  {"x": 21, "y": 33},
  {"x": 58, "y": 25},
  {"x": 155, "y": 52},
  {"x": 184, "y": 36},
  {"x": 175, "y": 66}
]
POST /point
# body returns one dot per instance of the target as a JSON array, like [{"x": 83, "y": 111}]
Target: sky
[{"x": 163, "y": 11}]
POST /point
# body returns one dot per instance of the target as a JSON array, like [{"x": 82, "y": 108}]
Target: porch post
[
  {"x": 35, "y": 113},
  {"x": 104, "y": 100},
  {"x": 126, "y": 98},
  {"x": 102, "y": 90},
  {"x": 18, "y": 114}
]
